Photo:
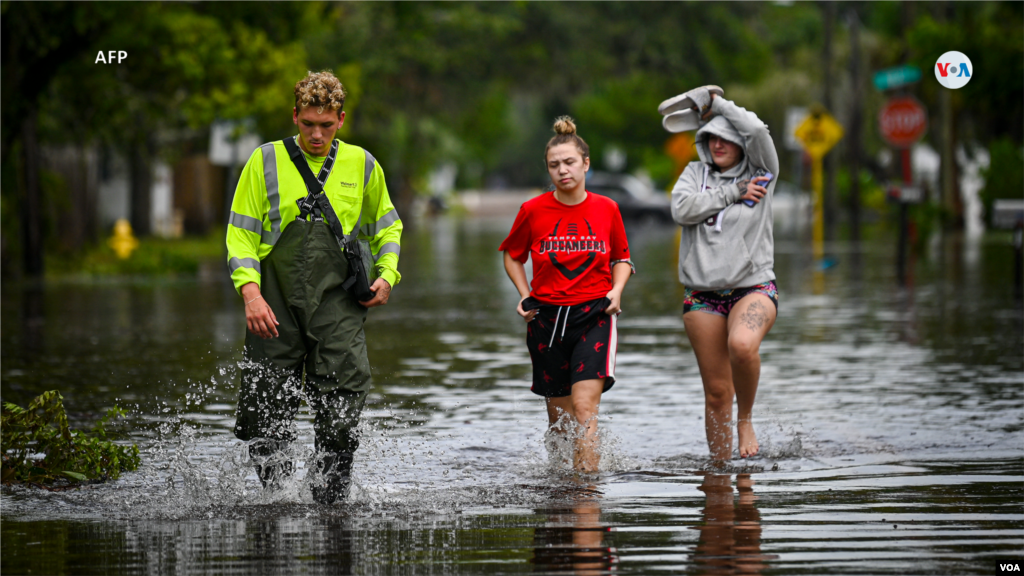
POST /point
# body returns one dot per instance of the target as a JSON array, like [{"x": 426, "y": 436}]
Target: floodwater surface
[{"x": 891, "y": 424}]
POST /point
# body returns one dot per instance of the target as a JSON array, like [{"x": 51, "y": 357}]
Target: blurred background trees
[{"x": 473, "y": 87}]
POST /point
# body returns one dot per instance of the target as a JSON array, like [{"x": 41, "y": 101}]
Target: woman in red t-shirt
[{"x": 580, "y": 266}]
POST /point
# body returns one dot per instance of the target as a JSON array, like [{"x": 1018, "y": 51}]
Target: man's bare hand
[
  {"x": 259, "y": 318},
  {"x": 383, "y": 290}
]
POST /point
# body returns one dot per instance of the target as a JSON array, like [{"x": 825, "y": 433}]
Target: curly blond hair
[{"x": 320, "y": 89}]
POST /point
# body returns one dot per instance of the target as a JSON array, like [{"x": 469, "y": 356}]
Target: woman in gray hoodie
[{"x": 726, "y": 254}]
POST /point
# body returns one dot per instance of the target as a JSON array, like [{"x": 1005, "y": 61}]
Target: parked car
[{"x": 636, "y": 200}]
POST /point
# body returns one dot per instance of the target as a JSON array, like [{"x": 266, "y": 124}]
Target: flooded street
[{"x": 891, "y": 424}]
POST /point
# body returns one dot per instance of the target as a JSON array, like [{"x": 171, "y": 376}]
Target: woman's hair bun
[
  {"x": 565, "y": 125},
  {"x": 565, "y": 132}
]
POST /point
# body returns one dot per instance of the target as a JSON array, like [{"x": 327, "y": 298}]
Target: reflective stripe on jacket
[{"x": 265, "y": 204}]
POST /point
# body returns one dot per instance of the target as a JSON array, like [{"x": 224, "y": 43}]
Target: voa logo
[
  {"x": 1007, "y": 568},
  {"x": 953, "y": 70}
]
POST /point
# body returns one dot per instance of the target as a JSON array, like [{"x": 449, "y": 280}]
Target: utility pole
[{"x": 952, "y": 205}]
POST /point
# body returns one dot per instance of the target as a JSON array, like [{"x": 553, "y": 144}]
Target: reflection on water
[
  {"x": 572, "y": 540},
  {"x": 730, "y": 531},
  {"x": 890, "y": 420},
  {"x": 32, "y": 317}
]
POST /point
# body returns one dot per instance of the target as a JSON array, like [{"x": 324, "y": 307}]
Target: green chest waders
[{"x": 320, "y": 336}]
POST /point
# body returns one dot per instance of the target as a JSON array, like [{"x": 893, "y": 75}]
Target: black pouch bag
[{"x": 361, "y": 271}]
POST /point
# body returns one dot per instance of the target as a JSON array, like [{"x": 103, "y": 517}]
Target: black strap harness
[
  {"x": 308, "y": 204},
  {"x": 316, "y": 204}
]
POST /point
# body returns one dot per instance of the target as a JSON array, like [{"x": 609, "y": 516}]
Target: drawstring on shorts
[{"x": 565, "y": 321}]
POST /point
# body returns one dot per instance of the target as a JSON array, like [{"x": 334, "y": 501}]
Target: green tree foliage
[
  {"x": 1004, "y": 175},
  {"x": 475, "y": 83},
  {"x": 424, "y": 71},
  {"x": 68, "y": 454},
  {"x": 481, "y": 83},
  {"x": 187, "y": 65},
  {"x": 38, "y": 40},
  {"x": 990, "y": 34},
  {"x": 185, "y": 68}
]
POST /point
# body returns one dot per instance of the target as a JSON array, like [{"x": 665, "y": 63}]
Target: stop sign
[{"x": 903, "y": 121}]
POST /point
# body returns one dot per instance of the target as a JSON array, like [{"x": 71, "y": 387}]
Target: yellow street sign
[{"x": 818, "y": 133}]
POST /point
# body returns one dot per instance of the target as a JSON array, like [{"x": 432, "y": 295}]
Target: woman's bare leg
[
  {"x": 749, "y": 321},
  {"x": 556, "y": 408},
  {"x": 586, "y": 402},
  {"x": 561, "y": 423},
  {"x": 708, "y": 335}
]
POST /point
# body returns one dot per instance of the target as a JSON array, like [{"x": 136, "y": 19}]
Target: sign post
[
  {"x": 902, "y": 122},
  {"x": 818, "y": 133}
]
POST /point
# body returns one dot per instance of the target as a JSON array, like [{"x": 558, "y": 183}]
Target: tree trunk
[
  {"x": 31, "y": 205},
  {"x": 853, "y": 141},
  {"x": 141, "y": 185},
  {"x": 907, "y": 17}
]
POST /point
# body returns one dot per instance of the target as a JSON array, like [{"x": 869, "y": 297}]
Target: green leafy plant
[
  {"x": 1004, "y": 174},
  {"x": 154, "y": 257},
  {"x": 39, "y": 447}
]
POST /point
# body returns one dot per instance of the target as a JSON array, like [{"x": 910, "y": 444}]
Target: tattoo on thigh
[{"x": 755, "y": 316}]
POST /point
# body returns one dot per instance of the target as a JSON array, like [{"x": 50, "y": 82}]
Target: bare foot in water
[{"x": 747, "y": 438}]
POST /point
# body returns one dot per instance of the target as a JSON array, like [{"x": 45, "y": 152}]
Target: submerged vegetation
[{"x": 39, "y": 447}]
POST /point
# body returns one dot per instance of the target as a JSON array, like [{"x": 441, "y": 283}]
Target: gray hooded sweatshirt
[{"x": 726, "y": 244}]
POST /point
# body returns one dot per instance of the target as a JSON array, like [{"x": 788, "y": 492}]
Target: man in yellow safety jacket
[{"x": 304, "y": 335}]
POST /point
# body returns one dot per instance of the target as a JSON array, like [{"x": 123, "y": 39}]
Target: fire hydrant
[{"x": 123, "y": 241}]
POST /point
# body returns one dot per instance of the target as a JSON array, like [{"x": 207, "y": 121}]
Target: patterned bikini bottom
[{"x": 721, "y": 301}]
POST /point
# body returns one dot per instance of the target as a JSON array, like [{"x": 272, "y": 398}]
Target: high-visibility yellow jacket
[{"x": 265, "y": 204}]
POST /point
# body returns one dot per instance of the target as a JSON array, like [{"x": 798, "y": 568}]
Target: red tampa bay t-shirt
[{"x": 572, "y": 247}]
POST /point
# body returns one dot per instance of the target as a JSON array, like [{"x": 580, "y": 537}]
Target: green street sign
[{"x": 895, "y": 77}]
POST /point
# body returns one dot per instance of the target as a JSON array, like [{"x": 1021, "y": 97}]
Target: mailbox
[
  {"x": 904, "y": 194},
  {"x": 1008, "y": 214}
]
